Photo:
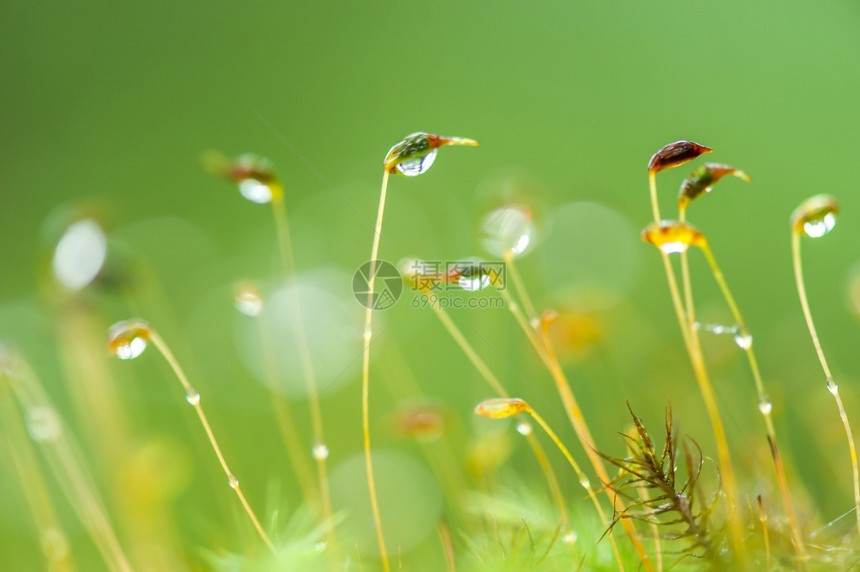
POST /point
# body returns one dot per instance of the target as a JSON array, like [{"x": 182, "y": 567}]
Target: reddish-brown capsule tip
[{"x": 675, "y": 154}]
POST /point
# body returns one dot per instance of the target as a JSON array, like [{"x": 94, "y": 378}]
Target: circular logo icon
[{"x": 386, "y": 280}]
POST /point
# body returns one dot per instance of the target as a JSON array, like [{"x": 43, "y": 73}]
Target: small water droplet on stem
[
  {"x": 743, "y": 340},
  {"x": 320, "y": 452},
  {"x": 191, "y": 396}
]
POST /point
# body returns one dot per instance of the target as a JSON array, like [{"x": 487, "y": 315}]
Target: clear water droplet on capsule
[
  {"x": 473, "y": 282},
  {"x": 569, "y": 538},
  {"x": 131, "y": 349},
  {"x": 43, "y": 424},
  {"x": 233, "y": 481},
  {"x": 744, "y": 341},
  {"x": 818, "y": 227},
  {"x": 248, "y": 301},
  {"x": 832, "y": 387},
  {"x": 524, "y": 428},
  {"x": 416, "y": 165},
  {"x": 191, "y": 396},
  {"x": 255, "y": 191},
  {"x": 585, "y": 482},
  {"x": 128, "y": 339},
  {"x": 320, "y": 452},
  {"x": 507, "y": 231},
  {"x": 765, "y": 405},
  {"x": 674, "y": 247}
]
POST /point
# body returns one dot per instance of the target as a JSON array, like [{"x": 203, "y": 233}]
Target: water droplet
[
  {"x": 585, "y": 482},
  {"x": 128, "y": 339},
  {"x": 191, "y": 396},
  {"x": 765, "y": 406},
  {"x": 79, "y": 255},
  {"x": 673, "y": 237},
  {"x": 744, "y": 341},
  {"x": 507, "y": 231},
  {"x": 415, "y": 153},
  {"x": 255, "y": 191},
  {"x": 524, "y": 428},
  {"x": 569, "y": 538},
  {"x": 248, "y": 300},
  {"x": 832, "y": 387},
  {"x": 473, "y": 282},
  {"x": 254, "y": 175},
  {"x": 55, "y": 545},
  {"x": 816, "y": 216},
  {"x": 416, "y": 165},
  {"x": 320, "y": 452},
  {"x": 43, "y": 424},
  {"x": 820, "y": 227},
  {"x": 233, "y": 481},
  {"x": 717, "y": 329}
]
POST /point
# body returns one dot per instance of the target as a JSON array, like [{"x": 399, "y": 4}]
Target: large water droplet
[
  {"x": 816, "y": 216},
  {"x": 583, "y": 480},
  {"x": 191, "y": 396},
  {"x": 473, "y": 281},
  {"x": 524, "y": 428},
  {"x": 43, "y": 424},
  {"x": 744, "y": 341},
  {"x": 507, "y": 231},
  {"x": 79, "y": 255},
  {"x": 416, "y": 165},
  {"x": 255, "y": 191},
  {"x": 832, "y": 387},
  {"x": 320, "y": 452},
  {"x": 233, "y": 481},
  {"x": 765, "y": 406},
  {"x": 128, "y": 339},
  {"x": 819, "y": 227},
  {"x": 248, "y": 300}
]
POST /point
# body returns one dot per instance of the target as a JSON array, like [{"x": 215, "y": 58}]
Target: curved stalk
[
  {"x": 365, "y": 377},
  {"x": 194, "y": 399},
  {"x": 765, "y": 407},
  {"x": 831, "y": 383},
  {"x": 279, "y": 210},
  {"x": 694, "y": 350}
]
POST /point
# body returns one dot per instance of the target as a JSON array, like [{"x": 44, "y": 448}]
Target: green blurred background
[{"x": 110, "y": 106}]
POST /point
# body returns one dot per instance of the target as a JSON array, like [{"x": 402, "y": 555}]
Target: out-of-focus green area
[{"x": 107, "y": 108}]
